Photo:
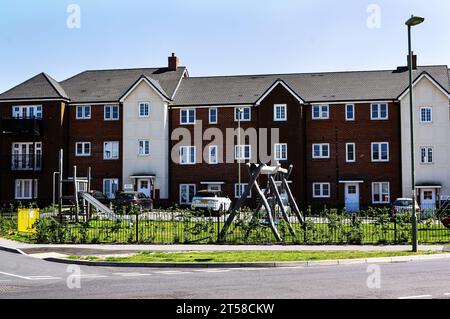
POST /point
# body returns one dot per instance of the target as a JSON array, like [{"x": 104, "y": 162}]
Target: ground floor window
[
  {"x": 380, "y": 193},
  {"x": 214, "y": 187},
  {"x": 110, "y": 187},
  {"x": 321, "y": 190},
  {"x": 26, "y": 189},
  {"x": 239, "y": 190},
  {"x": 187, "y": 192}
]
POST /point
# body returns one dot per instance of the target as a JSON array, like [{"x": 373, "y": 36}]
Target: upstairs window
[
  {"x": 187, "y": 117},
  {"x": 321, "y": 150},
  {"x": 380, "y": 152},
  {"x": 379, "y": 111},
  {"x": 144, "y": 148},
  {"x": 280, "y": 112},
  {"x": 242, "y": 114},
  {"x": 426, "y": 155},
  {"x": 213, "y": 116},
  {"x": 245, "y": 152},
  {"x": 27, "y": 111},
  {"x": 320, "y": 112},
  {"x": 350, "y": 152},
  {"x": 111, "y": 112},
  {"x": 111, "y": 150},
  {"x": 426, "y": 114},
  {"x": 350, "y": 112},
  {"x": 144, "y": 109},
  {"x": 83, "y": 112},
  {"x": 83, "y": 149},
  {"x": 281, "y": 152},
  {"x": 187, "y": 155},
  {"x": 213, "y": 158}
]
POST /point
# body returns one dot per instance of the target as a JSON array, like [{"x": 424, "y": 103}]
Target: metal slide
[{"x": 99, "y": 206}]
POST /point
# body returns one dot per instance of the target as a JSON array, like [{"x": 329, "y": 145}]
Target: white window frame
[
  {"x": 380, "y": 184},
  {"x": 240, "y": 115},
  {"x": 347, "y": 159},
  {"x": 22, "y": 161},
  {"x": 380, "y": 152},
  {"x": 112, "y": 143},
  {"x": 188, "y": 186},
  {"x": 321, "y": 110},
  {"x": 83, "y": 111},
  {"x": 18, "y": 110},
  {"x": 111, "y": 108},
  {"x": 143, "y": 147},
  {"x": 321, "y": 145},
  {"x": 84, "y": 154},
  {"x": 278, "y": 151},
  {"x": 217, "y": 115},
  {"x": 112, "y": 181},
  {"x": 33, "y": 189},
  {"x": 347, "y": 118},
  {"x": 210, "y": 161},
  {"x": 188, "y": 121},
  {"x": 188, "y": 151},
  {"x": 242, "y": 152},
  {"x": 242, "y": 190},
  {"x": 141, "y": 107},
  {"x": 275, "y": 113},
  {"x": 322, "y": 193},
  {"x": 378, "y": 117},
  {"x": 431, "y": 114},
  {"x": 427, "y": 149}
]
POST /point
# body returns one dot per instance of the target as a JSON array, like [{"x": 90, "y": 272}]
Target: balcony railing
[
  {"x": 26, "y": 162},
  {"x": 21, "y": 126}
]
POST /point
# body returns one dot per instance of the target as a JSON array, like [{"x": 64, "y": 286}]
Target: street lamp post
[
  {"x": 413, "y": 21},
  {"x": 239, "y": 110}
]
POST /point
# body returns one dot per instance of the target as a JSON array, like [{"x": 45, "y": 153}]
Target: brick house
[{"x": 345, "y": 133}]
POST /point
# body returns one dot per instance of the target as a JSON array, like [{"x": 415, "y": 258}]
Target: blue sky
[{"x": 216, "y": 37}]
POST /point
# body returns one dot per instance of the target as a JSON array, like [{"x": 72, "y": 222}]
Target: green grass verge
[{"x": 250, "y": 256}]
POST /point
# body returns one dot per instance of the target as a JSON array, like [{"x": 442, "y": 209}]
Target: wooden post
[
  {"x": 60, "y": 184},
  {"x": 75, "y": 184}
]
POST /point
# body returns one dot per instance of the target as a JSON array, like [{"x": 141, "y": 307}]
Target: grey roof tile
[
  {"x": 41, "y": 86},
  {"x": 312, "y": 87},
  {"x": 111, "y": 85}
]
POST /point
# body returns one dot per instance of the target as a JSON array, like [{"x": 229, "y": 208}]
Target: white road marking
[
  {"x": 416, "y": 297},
  {"x": 89, "y": 276},
  {"x": 31, "y": 277},
  {"x": 213, "y": 270},
  {"x": 131, "y": 274},
  {"x": 447, "y": 294},
  {"x": 5, "y": 280},
  {"x": 172, "y": 272}
]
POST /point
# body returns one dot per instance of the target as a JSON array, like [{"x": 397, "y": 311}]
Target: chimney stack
[
  {"x": 173, "y": 62},
  {"x": 414, "y": 61}
]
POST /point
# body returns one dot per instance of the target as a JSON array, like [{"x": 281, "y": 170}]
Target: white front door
[
  {"x": 427, "y": 199},
  {"x": 143, "y": 186},
  {"x": 352, "y": 197}
]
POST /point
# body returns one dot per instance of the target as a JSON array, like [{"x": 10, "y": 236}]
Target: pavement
[
  {"x": 25, "y": 277},
  {"x": 102, "y": 250}
]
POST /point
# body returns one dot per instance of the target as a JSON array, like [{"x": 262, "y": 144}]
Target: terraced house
[{"x": 345, "y": 133}]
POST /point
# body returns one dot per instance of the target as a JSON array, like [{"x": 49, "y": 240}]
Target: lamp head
[{"x": 413, "y": 21}]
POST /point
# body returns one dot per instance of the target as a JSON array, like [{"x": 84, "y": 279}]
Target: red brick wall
[
  {"x": 195, "y": 174},
  {"x": 363, "y": 131},
  {"x": 54, "y": 137},
  {"x": 97, "y": 131}
]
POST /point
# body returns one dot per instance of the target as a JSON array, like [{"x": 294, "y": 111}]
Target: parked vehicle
[
  {"x": 403, "y": 206},
  {"x": 217, "y": 201},
  {"x": 129, "y": 199}
]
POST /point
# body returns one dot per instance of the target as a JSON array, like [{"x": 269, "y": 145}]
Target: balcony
[
  {"x": 21, "y": 126},
  {"x": 26, "y": 162}
]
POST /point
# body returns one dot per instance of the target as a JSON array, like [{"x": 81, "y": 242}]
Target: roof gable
[
  {"x": 41, "y": 86},
  {"x": 273, "y": 86},
  {"x": 427, "y": 76},
  {"x": 151, "y": 83}
]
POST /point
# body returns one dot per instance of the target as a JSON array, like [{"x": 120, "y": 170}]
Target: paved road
[{"x": 26, "y": 277}]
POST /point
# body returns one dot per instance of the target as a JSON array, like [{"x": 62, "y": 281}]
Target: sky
[{"x": 216, "y": 37}]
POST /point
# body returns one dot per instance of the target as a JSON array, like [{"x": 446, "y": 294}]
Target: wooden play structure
[{"x": 270, "y": 199}]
